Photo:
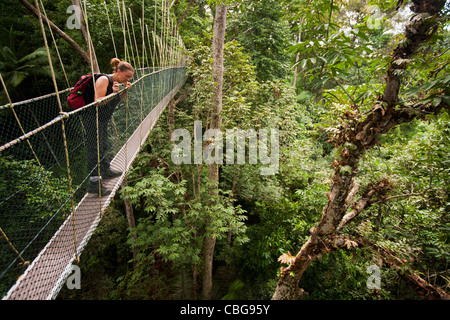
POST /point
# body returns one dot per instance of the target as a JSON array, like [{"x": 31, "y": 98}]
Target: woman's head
[{"x": 123, "y": 71}]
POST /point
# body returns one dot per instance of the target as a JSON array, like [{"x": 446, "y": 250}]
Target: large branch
[
  {"x": 419, "y": 31},
  {"x": 423, "y": 288},
  {"x": 379, "y": 191},
  {"x": 319, "y": 242},
  {"x": 61, "y": 33},
  {"x": 361, "y": 136},
  {"x": 182, "y": 17}
]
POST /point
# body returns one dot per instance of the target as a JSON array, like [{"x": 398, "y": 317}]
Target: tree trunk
[
  {"x": 362, "y": 135},
  {"x": 216, "y": 122},
  {"x": 194, "y": 282},
  {"x": 61, "y": 33},
  {"x": 208, "y": 257},
  {"x": 130, "y": 217},
  {"x": 297, "y": 58},
  {"x": 218, "y": 44}
]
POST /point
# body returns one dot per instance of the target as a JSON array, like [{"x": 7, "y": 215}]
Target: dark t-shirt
[
  {"x": 89, "y": 93},
  {"x": 105, "y": 110}
]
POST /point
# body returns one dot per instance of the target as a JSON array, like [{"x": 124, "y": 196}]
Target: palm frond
[
  {"x": 16, "y": 78},
  {"x": 8, "y": 56},
  {"x": 38, "y": 54},
  {"x": 181, "y": 287}
]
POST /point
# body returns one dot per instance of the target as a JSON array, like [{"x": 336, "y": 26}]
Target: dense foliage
[{"x": 339, "y": 63}]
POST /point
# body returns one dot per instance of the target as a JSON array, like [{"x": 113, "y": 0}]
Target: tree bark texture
[{"x": 359, "y": 136}]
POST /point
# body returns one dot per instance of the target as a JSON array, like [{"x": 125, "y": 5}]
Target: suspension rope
[
  {"x": 153, "y": 35},
  {"x": 123, "y": 31},
  {"x": 13, "y": 248},
  {"x": 163, "y": 25},
  {"x": 129, "y": 36},
  {"x": 150, "y": 48},
  {"x": 110, "y": 28},
  {"x": 90, "y": 44},
  {"x": 144, "y": 49},
  {"x": 25, "y": 136},
  {"x": 74, "y": 226},
  {"x": 66, "y": 151},
  {"x": 134, "y": 37},
  {"x": 54, "y": 42},
  {"x": 141, "y": 25},
  {"x": 91, "y": 48}
]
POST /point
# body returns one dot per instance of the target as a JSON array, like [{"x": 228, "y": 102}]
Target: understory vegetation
[{"x": 313, "y": 70}]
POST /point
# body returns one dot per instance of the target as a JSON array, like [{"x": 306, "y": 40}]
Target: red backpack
[{"x": 76, "y": 98}]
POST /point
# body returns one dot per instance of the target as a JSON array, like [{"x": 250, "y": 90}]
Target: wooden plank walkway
[{"x": 48, "y": 272}]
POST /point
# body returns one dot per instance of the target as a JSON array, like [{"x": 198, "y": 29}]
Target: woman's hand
[
  {"x": 119, "y": 86},
  {"x": 116, "y": 86},
  {"x": 125, "y": 92}
]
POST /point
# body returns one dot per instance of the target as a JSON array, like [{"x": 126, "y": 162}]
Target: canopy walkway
[{"x": 47, "y": 216}]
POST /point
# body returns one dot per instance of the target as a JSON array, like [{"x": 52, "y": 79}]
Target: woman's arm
[{"x": 101, "y": 86}]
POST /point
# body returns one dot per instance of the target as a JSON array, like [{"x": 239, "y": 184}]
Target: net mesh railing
[{"x": 46, "y": 160}]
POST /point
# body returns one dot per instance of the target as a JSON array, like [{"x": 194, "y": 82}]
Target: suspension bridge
[{"x": 46, "y": 214}]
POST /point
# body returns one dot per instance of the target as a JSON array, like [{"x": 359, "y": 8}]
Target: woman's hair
[{"x": 116, "y": 64}]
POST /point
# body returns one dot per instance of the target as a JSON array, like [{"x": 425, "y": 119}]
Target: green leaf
[{"x": 437, "y": 101}]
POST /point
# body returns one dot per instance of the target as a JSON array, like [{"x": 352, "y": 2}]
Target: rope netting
[
  {"x": 35, "y": 197},
  {"x": 49, "y": 153}
]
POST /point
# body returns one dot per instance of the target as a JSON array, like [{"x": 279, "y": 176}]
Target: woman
[
  {"x": 123, "y": 72},
  {"x": 105, "y": 85}
]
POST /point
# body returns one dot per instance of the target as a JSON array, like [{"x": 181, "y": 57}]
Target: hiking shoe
[
  {"x": 93, "y": 188},
  {"x": 111, "y": 173}
]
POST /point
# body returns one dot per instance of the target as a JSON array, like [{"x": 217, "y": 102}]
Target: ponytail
[{"x": 116, "y": 64}]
